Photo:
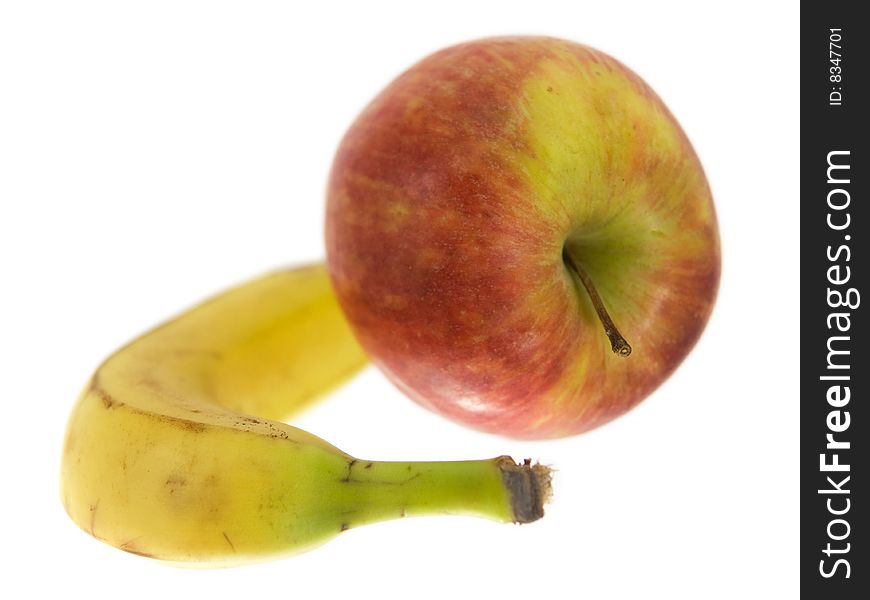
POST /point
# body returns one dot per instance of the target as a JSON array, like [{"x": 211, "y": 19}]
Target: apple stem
[{"x": 619, "y": 344}]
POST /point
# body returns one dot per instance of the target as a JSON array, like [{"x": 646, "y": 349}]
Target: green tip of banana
[{"x": 164, "y": 458}]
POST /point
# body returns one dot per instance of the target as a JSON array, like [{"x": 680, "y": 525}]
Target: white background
[{"x": 154, "y": 153}]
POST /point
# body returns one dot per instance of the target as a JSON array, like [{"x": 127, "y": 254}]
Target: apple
[{"x": 522, "y": 236}]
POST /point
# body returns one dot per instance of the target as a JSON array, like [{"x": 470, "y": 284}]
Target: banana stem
[{"x": 495, "y": 488}]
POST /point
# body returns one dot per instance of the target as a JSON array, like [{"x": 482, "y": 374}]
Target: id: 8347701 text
[{"x": 835, "y": 71}]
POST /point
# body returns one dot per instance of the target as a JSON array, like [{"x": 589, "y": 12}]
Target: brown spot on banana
[
  {"x": 175, "y": 482},
  {"x": 102, "y": 394},
  {"x": 350, "y": 465},
  {"x": 229, "y": 541},
  {"x": 93, "y": 508}
]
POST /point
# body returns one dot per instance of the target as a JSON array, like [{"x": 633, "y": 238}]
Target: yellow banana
[{"x": 162, "y": 459}]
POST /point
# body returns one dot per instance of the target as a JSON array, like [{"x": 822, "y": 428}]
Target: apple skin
[{"x": 451, "y": 200}]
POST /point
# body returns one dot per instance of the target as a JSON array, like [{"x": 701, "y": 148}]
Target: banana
[{"x": 163, "y": 458}]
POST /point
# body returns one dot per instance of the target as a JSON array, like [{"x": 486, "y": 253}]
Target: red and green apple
[{"x": 522, "y": 236}]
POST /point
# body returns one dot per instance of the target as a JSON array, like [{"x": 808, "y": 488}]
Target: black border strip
[{"x": 834, "y": 370}]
